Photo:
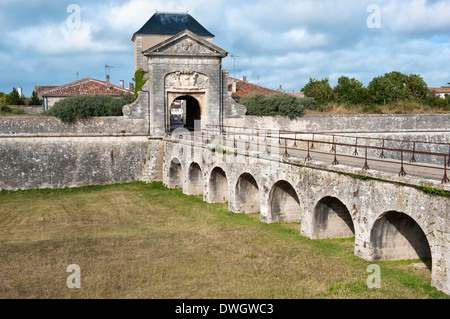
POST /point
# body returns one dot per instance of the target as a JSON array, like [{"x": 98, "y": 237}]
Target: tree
[
  {"x": 321, "y": 90},
  {"x": 381, "y": 90},
  {"x": 398, "y": 81},
  {"x": 2, "y": 97},
  {"x": 34, "y": 99},
  {"x": 416, "y": 86},
  {"x": 13, "y": 98},
  {"x": 350, "y": 91}
]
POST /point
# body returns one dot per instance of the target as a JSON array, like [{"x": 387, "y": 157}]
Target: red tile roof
[
  {"x": 86, "y": 86},
  {"x": 440, "y": 90},
  {"x": 244, "y": 88}
]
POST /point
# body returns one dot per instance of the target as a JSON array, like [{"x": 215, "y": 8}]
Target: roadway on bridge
[{"x": 421, "y": 170}]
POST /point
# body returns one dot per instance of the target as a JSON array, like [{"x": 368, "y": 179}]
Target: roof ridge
[
  {"x": 68, "y": 86},
  {"x": 251, "y": 83}
]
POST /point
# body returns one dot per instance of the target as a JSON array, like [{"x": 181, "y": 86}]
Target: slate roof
[
  {"x": 86, "y": 86},
  {"x": 173, "y": 23}
]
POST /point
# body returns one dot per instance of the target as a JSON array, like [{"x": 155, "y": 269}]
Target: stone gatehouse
[{"x": 185, "y": 65}]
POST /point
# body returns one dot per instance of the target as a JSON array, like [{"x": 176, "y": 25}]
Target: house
[
  {"x": 177, "y": 110},
  {"x": 440, "y": 91},
  {"x": 86, "y": 86},
  {"x": 160, "y": 27}
]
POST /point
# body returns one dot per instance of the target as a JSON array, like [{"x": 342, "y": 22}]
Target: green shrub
[
  {"x": 83, "y": 106},
  {"x": 254, "y": 103},
  {"x": 308, "y": 103},
  {"x": 276, "y": 104},
  {"x": 5, "y": 109},
  {"x": 139, "y": 79}
]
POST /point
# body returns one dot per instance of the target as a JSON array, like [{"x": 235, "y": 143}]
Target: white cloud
[
  {"x": 283, "y": 41},
  {"x": 58, "y": 39},
  {"x": 416, "y": 16}
]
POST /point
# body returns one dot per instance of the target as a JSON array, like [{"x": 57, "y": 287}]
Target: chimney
[
  {"x": 233, "y": 87},
  {"x": 121, "y": 84},
  {"x": 130, "y": 87},
  {"x": 281, "y": 88},
  {"x": 107, "y": 78},
  {"x": 244, "y": 78}
]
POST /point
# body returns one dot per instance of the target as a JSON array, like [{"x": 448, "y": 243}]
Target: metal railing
[{"x": 293, "y": 143}]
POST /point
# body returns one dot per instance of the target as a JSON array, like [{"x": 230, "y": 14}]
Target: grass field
[{"x": 145, "y": 241}]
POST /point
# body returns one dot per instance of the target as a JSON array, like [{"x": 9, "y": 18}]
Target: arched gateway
[{"x": 183, "y": 67}]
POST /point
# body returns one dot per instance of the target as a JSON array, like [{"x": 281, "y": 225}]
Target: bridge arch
[
  {"x": 195, "y": 179},
  {"x": 218, "y": 186},
  {"x": 284, "y": 204},
  {"x": 332, "y": 219},
  {"x": 175, "y": 174},
  {"x": 247, "y": 197},
  {"x": 397, "y": 236}
]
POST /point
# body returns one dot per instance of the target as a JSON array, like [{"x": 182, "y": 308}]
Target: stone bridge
[{"x": 388, "y": 219}]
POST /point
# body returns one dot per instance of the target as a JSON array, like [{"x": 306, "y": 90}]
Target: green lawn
[{"x": 145, "y": 241}]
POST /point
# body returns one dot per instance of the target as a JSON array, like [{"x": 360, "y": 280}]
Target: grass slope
[{"x": 145, "y": 241}]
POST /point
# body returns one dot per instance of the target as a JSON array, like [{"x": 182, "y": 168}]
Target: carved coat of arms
[{"x": 186, "y": 80}]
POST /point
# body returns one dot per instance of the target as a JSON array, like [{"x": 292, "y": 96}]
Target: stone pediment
[{"x": 186, "y": 43}]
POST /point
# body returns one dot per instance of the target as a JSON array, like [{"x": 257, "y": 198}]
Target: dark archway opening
[
  {"x": 184, "y": 111},
  {"x": 218, "y": 186},
  {"x": 396, "y": 236},
  {"x": 247, "y": 194},
  {"x": 332, "y": 219},
  {"x": 284, "y": 203},
  {"x": 195, "y": 180},
  {"x": 175, "y": 174}
]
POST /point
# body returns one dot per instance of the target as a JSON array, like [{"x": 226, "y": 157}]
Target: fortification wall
[
  {"x": 35, "y": 125},
  {"x": 42, "y": 152},
  {"x": 349, "y": 123}
]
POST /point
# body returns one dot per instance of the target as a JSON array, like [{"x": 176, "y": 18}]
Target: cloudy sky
[{"x": 276, "y": 42}]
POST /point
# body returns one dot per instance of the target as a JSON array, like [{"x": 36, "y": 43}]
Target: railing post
[
  {"x": 286, "y": 154},
  {"x": 366, "y": 166},
  {"x": 356, "y": 147},
  {"x": 402, "y": 170},
  {"x": 335, "y": 162},
  {"x": 448, "y": 163},
  {"x": 308, "y": 157},
  {"x": 445, "y": 178},
  {"x": 382, "y": 151},
  {"x": 413, "y": 159}
]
